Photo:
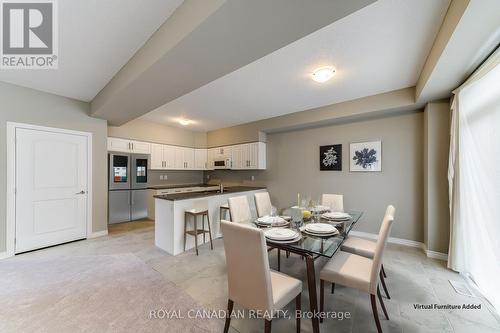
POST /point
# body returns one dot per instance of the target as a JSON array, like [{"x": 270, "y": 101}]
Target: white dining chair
[
  {"x": 263, "y": 204},
  {"x": 366, "y": 248},
  {"x": 334, "y": 201},
  {"x": 354, "y": 271},
  {"x": 251, "y": 283},
  {"x": 239, "y": 209}
]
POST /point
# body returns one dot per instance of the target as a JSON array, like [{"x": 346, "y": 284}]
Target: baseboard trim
[
  {"x": 405, "y": 242},
  {"x": 98, "y": 234},
  {"x": 435, "y": 255},
  {"x": 5, "y": 255}
]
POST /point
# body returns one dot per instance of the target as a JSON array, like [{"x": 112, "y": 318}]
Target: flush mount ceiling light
[
  {"x": 184, "y": 122},
  {"x": 323, "y": 74}
]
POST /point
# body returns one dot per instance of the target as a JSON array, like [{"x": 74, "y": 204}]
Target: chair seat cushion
[
  {"x": 349, "y": 270},
  {"x": 359, "y": 246},
  {"x": 285, "y": 289}
]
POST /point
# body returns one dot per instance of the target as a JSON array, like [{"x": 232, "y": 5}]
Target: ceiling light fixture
[
  {"x": 184, "y": 122},
  {"x": 323, "y": 74}
]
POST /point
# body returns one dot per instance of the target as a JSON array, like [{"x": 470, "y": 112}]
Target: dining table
[{"x": 312, "y": 247}]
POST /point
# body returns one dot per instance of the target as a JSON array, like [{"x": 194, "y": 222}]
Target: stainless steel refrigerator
[{"x": 128, "y": 180}]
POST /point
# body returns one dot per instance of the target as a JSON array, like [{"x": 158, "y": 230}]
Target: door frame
[{"x": 11, "y": 178}]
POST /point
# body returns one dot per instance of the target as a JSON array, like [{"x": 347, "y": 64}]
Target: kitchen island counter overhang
[{"x": 170, "y": 209}]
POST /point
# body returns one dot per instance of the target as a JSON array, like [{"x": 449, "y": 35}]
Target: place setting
[
  {"x": 272, "y": 221},
  {"x": 336, "y": 217},
  {"x": 282, "y": 235},
  {"x": 320, "y": 230}
]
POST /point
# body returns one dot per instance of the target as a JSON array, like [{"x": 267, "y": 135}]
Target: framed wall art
[
  {"x": 330, "y": 158},
  {"x": 366, "y": 156}
]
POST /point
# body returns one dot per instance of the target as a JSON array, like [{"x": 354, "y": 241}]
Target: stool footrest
[{"x": 199, "y": 232}]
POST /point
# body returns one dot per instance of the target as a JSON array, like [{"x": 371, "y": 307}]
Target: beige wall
[
  {"x": 29, "y": 106},
  {"x": 376, "y": 105},
  {"x": 436, "y": 147},
  {"x": 293, "y": 166},
  {"x": 159, "y": 133}
]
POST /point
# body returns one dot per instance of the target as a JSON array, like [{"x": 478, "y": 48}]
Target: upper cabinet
[
  {"x": 249, "y": 156},
  {"x": 246, "y": 156},
  {"x": 129, "y": 146},
  {"x": 201, "y": 159}
]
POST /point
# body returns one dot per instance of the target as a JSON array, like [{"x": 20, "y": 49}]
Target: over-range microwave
[{"x": 222, "y": 164}]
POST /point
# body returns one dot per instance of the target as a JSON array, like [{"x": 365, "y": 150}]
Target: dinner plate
[
  {"x": 336, "y": 232},
  {"x": 274, "y": 225},
  {"x": 286, "y": 217},
  {"x": 320, "y": 228},
  {"x": 336, "y": 216},
  {"x": 280, "y": 234},
  {"x": 271, "y": 220},
  {"x": 289, "y": 241}
]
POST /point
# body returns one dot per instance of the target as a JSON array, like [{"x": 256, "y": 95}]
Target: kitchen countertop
[
  {"x": 167, "y": 186},
  {"x": 195, "y": 195}
]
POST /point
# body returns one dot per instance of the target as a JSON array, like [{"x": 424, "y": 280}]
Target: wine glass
[{"x": 274, "y": 211}]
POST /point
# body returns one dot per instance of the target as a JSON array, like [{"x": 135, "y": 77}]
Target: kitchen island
[{"x": 170, "y": 208}]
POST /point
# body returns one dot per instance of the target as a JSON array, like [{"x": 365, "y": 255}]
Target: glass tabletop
[{"x": 315, "y": 245}]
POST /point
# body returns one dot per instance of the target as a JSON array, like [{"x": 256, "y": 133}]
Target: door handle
[{"x": 81, "y": 192}]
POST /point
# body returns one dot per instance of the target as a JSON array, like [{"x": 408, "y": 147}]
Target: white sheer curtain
[{"x": 474, "y": 178}]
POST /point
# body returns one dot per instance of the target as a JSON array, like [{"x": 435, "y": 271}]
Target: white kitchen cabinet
[
  {"x": 128, "y": 146},
  {"x": 246, "y": 156},
  {"x": 249, "y": 156},
  {"x": 179, "y": 158},
  {"x": 200, "y": 159},
  {"x": 210, "y": 158},
  {"x": 189, "y": 158},
  {"x": 237, "y": 157},
  {"x": 140, "y": 147},
  {"x": 169, "y": 156},
  {"x": 121, "y": 145},
  {"x": 184, "y": 158},
  {"x": 157, "y": 157},
  {"x": 221, "y": 153},
  {"x": 162, "y": 157}
]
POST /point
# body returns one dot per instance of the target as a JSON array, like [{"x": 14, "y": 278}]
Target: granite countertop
[
  {"x": 167, "y": 186},
  {"x": 195, "y": 195}
]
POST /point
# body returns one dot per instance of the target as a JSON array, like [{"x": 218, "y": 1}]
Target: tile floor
[{"x": 412, "y": 278}]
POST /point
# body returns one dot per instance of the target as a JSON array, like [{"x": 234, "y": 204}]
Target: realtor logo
[{"x": 29, "y": 34}]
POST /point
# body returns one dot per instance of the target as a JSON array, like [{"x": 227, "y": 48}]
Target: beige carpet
[{"x": 108, "y": 293}]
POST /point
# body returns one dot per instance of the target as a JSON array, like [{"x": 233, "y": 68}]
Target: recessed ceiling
[
  {"x": 379, "y": 48},
  {"x": 96, "y": 38}
]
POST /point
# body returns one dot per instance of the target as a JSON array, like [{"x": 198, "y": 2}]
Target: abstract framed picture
[
  {"x": 366, "y": 156},
  {"x": 330, "y": 158}
]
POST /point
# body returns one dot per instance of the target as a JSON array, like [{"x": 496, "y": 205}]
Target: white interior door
[{"x": 51, "y": 188}]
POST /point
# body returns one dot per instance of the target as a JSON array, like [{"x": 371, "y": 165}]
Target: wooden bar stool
[
  {"x": 223, "y": 211},
  {"x": 195, "y": 232}
]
